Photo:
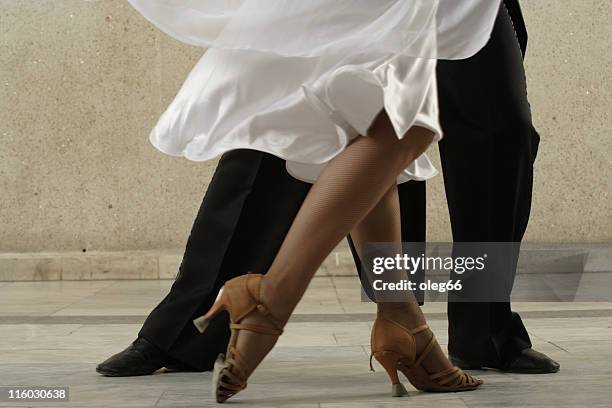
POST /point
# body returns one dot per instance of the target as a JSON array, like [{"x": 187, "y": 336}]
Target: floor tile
[{"x": 321, "y": 361}]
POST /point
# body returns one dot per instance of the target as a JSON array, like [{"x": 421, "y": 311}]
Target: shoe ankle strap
[{"x": 415, "y": 330}]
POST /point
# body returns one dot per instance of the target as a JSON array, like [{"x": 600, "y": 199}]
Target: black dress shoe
[
  {"x": 140, "y": 358},
  {"x": 528, "y": 361}
]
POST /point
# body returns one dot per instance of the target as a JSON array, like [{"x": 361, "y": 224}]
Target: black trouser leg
[
  {"x": 487, "y": 158},
  {"x": 248, "y": 208}
]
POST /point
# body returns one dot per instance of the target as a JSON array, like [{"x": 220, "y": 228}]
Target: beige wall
[{"x": 82, "y": 82}]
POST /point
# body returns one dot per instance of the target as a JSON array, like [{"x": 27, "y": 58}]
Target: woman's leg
[
  {"x": 383, "y": 224},
  {"x": 346, "y": 191}
]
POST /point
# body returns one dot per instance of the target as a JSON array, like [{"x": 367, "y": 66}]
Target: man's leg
[
  {"x": 246, "y": 212},
  {"x": 487, "y": 158},
  {"x": 266, "y": 216}
]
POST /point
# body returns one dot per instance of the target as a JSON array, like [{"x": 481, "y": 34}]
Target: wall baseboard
[{"x": 148, "y": 265}]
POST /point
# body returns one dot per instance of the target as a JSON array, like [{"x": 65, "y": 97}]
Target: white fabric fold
[
  {"x": 301, "y": 79},
  {"x": 310, "y": 28}
]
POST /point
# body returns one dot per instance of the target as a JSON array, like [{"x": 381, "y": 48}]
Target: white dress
[{"x": 301, "y": 79}]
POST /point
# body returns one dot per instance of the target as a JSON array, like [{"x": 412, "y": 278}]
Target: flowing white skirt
[{"x": 302, "y": 79}]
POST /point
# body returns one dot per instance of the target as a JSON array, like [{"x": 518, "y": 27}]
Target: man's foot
[
  {"x": 528, "y": 361},
  {"x": 140, "y": 358}
]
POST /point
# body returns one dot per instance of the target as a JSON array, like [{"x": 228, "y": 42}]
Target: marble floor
[{"x": 54, "y": 333}]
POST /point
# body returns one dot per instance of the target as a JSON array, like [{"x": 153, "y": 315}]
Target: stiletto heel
[
  {"x": 202, "y": 322},
  {"x": 389, "y": 360},
  {"x": 394, "y": 347},
  {"x": 239, "y": 297}
]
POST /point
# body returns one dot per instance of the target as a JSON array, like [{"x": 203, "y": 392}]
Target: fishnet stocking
[{"x": 349, "y": 188}]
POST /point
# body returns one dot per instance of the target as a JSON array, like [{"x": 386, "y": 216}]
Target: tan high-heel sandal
[
  {"x": 394, "y": 347},
  {"x": 239, "y": 297}
]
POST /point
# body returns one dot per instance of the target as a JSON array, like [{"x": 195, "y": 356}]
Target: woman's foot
[
  {"x": 255, "y": 328},
  {"x": 400, "y": 343}
]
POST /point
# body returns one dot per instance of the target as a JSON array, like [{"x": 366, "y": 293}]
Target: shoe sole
[
  {"x": 119, "y": 374},
  {"x": 462, "y": 365},
  {"x": 532, "y": 371}
]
